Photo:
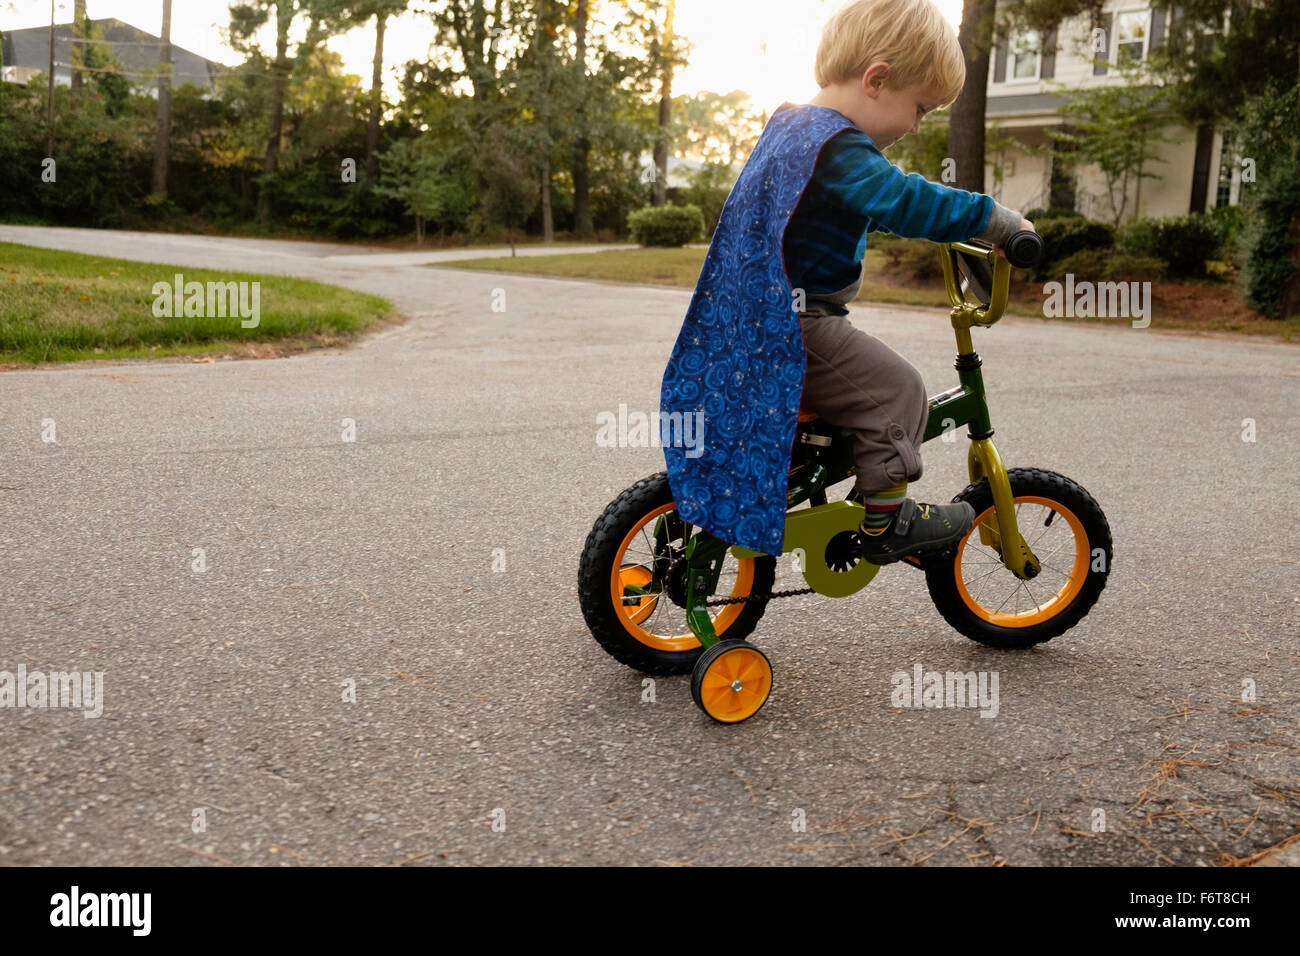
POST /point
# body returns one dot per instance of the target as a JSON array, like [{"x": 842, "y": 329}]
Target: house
[
  {"x": 26, "y": 53},
  {"x": 1194, "y": 169}
]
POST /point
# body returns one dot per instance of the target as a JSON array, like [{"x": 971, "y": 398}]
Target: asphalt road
[{"x": 478, "y": 691}]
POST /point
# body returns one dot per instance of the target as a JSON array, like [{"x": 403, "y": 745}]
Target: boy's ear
[{"x": 873, "y": 81}]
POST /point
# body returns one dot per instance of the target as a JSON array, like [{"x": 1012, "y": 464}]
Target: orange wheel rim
[
  {"x": 736, "y": 685},
  {"x": 637, "y": 612},
  {"x": 1064, "y": 569}
]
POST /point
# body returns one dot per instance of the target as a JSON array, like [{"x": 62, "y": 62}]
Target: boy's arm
[{"x": 908, "y": 204}]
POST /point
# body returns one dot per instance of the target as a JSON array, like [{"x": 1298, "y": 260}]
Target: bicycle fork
[{"x": 966, "y": 405}]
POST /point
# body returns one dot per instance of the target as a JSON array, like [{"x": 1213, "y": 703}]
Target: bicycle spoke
[{"x": 1030, "y": 594}]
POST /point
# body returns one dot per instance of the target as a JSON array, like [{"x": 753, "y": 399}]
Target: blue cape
[{"x": 739, "y": 358}]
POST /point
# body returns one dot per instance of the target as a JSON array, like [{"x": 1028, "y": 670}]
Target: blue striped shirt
[{"x": 855, "y": 190}]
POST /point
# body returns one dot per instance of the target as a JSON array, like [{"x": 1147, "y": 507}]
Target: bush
[
  {"x": 1086, "y": 264},
  {"x": 1227, "y": 223},
  {"x": 668, "y": 226},
  {"x": 1267, "y": 240},
  {"x": 1064, "y": 237},
  {"x": 710, "y": 186},
  {"x": 1104, "y": 265},
  {"x": 1185, "y": 242},
  {"x": 913, "y": 258},
  {"x": 1056, "y": 212},
  {"x": 1125, "y": 268}
]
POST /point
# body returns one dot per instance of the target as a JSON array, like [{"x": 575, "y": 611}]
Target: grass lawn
[
  {"x": 64, "y": 306},
  {"x": 1196, "y": 306}
]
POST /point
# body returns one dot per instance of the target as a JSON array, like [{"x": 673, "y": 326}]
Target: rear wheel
[
  {"x": 1067, "y": 531},
  {"x": 632, "y": 583}
]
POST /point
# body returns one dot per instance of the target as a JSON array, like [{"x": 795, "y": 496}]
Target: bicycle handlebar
[{"x": 1024, "y": 249}]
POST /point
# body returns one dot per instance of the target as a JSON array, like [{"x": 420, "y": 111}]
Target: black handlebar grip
[{"x": 1024, "y": 249}]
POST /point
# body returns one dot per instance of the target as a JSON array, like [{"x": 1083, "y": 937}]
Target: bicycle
[{"x": 647, "y": 580}]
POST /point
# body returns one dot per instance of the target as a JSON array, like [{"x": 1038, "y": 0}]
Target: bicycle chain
[
  {"x": 759, "y": 597},
  {"x": 911, "y": 559}
]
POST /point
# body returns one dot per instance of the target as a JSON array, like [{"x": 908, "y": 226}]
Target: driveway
[{"x": 488, "y": 727}]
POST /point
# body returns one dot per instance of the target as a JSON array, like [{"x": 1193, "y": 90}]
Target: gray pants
[{"x": 856, "y": 381}]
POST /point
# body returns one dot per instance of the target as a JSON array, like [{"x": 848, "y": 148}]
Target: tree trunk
[
  {"x": 376, "y": 101},
  {"x": 665, "y": 109},
  {"x": 49, "y": 93},
  {"x": 548, "y": 218},
  {"x": 966, "y": 121},
  {"x": 280, "y": 79},
  {"x": 1289, "y": 303},
  {"x": 78, "y": 46},
  {"x": 582, "y": 146},
  {"x": 164, "y": 135}
]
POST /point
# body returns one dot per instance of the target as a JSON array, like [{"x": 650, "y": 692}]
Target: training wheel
[{"x": 731, "y": 681}]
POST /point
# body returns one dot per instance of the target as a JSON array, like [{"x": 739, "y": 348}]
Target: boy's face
[{"x": 884, "y": 113}]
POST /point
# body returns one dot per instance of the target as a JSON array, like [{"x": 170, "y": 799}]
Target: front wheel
[{"x": 1067, "y": 531}]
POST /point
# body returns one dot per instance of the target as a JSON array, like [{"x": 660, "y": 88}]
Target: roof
[{"x": 136, "y": 49}]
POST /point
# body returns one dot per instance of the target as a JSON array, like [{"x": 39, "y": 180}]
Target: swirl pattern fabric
[{"x": 739, "y": 358}]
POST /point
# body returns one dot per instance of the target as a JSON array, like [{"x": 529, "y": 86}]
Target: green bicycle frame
[{"x": 812, "y": 527}]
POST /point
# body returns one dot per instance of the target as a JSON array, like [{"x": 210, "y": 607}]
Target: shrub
[
  {"x": 1106, "y": 265},
  {"x": 1065, "y": 236},
  {"x": 913, "y": 258},
  {"x": 1227, "y": 223},
  {"x": 1056, "y": 212},
  {"x": 1089, "y": 264},
  {"x": 1121, "y": 267},
  {"x": 1267, "y": 240},
  {"x": 668, "y": 226},
  {"x": 710, "y": 186},
  {"x": 1185, "y": 242}
]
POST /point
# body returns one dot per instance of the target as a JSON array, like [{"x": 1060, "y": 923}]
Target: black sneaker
[{"x": 917, "y": 528}]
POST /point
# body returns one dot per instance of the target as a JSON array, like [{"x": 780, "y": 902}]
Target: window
[
  {"x": 1208, "y": 34},
  {"x": 1024, "y": 56},
  {"x": 1229, "y": 175},
  {"x": 1131, "y": 35}
]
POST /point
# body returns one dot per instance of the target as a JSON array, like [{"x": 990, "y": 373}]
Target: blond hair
[{"x": 912, "y": 36}]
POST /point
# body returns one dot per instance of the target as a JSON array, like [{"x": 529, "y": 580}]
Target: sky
[{"x": 765, "y": 47}]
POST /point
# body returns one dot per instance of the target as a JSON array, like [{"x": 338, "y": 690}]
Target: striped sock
[{"x": 881, "y": 508}]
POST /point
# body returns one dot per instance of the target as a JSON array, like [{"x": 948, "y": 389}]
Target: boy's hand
[{"x": 1025, "y": 225}]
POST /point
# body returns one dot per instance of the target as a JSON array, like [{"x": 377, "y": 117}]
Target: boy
[{"x": 766, "y": 332}]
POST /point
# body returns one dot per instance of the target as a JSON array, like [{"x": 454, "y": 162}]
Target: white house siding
[{"x": 1026, "y": 108}]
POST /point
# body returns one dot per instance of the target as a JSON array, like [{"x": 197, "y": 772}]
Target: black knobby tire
[
  {"x": 596, "y": 568},
  {"x": 941, "y": 574}
]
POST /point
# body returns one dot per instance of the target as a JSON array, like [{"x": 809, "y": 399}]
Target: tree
[
  {"x": 512, "y": 190},
  {"x": 78, "y": 44},
  {"x": 245, "y": 19},
  {"x": 164, "y": 133},
  {"x": 716, "y": 127},
  {"x": 1236, "y": 64},
  {"x": 537, "y": 80},
  {"x": 966, "y": 121},
  {"x": 422, "y": 177},
  {"x": 1115, "y": 127},
  {"x": 582, "y": 143},
  {"x": 982, "y": 23},
  {"x": 663, "y": 53}
]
